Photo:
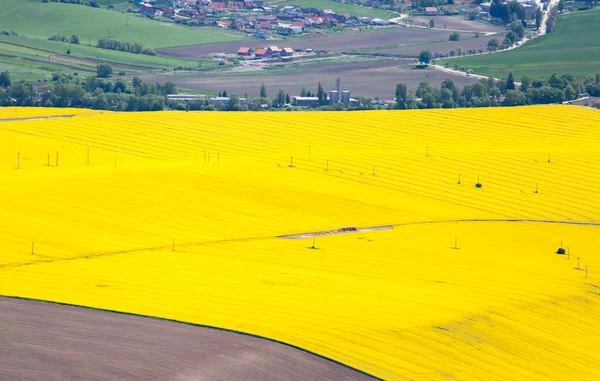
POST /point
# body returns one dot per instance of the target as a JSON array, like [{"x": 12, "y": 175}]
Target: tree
[
  {"x": 104, "y": 70},
  {"x": 263, "y": 91},
  {"x": 169, "y": 88},
  {"x": 474, "y": 13},
  {"x": 518, "y": 29},
  {"x": 525, "y": 84},
  {"x": 492, "y": 45},
  {"x": 454, "y": 36},
  {"x": 514, "y": 98},
  {"x": 401, "y": 94},
  {"x": 120, "y": 86},
  {"x": 321, "y": 95},
  {"x": 561, "y": 5},
  {"x": 425, "y": 57},
  {"x": 74, "y": 39},
  {"x": 570, "y": 93},
  {"x": 280, "y": 100},
  {"x": 287, "y": 99},
  {"x": 5, "y": 79},
  {"x": 234, "y": 103},
  {"x": 538, "y": 19},
  {"x": 303, "y": 92},
  {"x": 431, "y": 24},
  {"x": 510, "y": 82}
]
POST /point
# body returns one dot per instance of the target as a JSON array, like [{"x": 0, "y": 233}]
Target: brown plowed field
[
  {"x": 369, "y": 78},
  {"x": 48, "y": 342},
  {"x": 442, "y": 47},
  {"x": 457, "y": 23},
  {"x": 346, "y": 42}
]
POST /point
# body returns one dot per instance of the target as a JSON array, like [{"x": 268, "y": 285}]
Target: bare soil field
[
  {"x": 47, "y": 342},
  {"x": 336, "y": 43},
  {"x": 371, "y": 78},
  {"x": 440, "y": 47},
  {"x": 457, "y": 23}
]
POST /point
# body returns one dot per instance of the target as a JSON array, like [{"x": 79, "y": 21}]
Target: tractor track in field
[{"x": 346, "y": 230}]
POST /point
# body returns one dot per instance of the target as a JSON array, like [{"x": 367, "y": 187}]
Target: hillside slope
[{"x": 177, "y": 215}]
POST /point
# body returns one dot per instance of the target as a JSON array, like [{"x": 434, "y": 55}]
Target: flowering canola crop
[{"x": 176, "y": 215}]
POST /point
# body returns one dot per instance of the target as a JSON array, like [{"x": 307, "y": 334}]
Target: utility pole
[
  {"x": 19, "y": 160},
  {"x": 109, "y": 32},
  {"x": 57, "y": 159},
  {"x": 32, "y": 251},
  {"x": 88, "y": 155}
]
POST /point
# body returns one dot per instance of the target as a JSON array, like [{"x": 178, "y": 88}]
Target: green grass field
[
  {"x": 353, "y": 10},
  {"x": 22, "y": 55},
  {"x": 573, "y": 47},
  {"x": 32, "y": 18}
]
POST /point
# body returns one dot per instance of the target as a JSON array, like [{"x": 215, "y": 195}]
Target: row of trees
[
  {"x": 89, "y": 92},
  {"x": 491, "y": 92},
  {"x": 74, "y": 39},
  {"x": 136, "y": 47}
]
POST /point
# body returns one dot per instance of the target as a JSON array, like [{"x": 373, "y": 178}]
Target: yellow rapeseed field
[{"x": 93, "y": 206}]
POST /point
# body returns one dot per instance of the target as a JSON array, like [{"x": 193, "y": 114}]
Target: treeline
[
  {"x": 74, "y": 39},
  {"x": 136, "y": 47},
  {"x": 492, "y": 93},
  {"x": 88, "y": 92}
]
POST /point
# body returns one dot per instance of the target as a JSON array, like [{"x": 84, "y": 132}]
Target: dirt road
[{"x": 50, "y": 342}]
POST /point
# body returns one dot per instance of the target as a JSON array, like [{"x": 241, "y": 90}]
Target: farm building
[
  {"x": 147, "y": 9},
  {"x": 185, "y": 97},
  {"x": 260, "y": 53},
  {"x": 244, "y": 51},
  {"x": 431, "y": 11},
  {"x": 305, "y": 101},
  {"x": 287, "y": 52}
]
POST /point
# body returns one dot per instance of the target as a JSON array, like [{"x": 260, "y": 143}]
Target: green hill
[
  {"x": 32, "y": 18},
  {"x": 573, "y": 47}
]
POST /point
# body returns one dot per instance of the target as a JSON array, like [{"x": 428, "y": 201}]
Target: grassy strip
[{"x": 572, "y": 47}]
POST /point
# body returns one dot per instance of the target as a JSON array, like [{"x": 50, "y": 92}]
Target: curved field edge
[{"x": 192, "y": 324}]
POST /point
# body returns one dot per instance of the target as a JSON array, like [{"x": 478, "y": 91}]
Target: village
[{"x": 257, "y": 18}]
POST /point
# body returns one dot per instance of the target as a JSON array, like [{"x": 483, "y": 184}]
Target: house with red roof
[
  {"x": 431, "y": 11},
  {"x": 244, "y": 51},
  {"x": 260, "y": 53}
]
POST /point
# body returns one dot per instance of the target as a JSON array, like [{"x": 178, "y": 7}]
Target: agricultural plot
[
  {"x": 570, "y": 48},
  {"x": 177, "y": 215},
  {"x": 459, "y": 23},
  {"x": 346, "y": 42},
  {"x": 368, "y": 78}
]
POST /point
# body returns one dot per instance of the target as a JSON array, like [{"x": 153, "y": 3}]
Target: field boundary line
[
  {"x": 9, "y": 266},
  {"x": 195, "y": 325}
]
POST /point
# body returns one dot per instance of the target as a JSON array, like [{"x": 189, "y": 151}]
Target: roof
[
  {"x": 260, "y": 52},
  {"x": 274, "y": 48},
  {"x": 305, "y": 98},
  {"x": 288, "y": 50},
  {"x": 146, "y": 5},
  {"x": 431, "y": 9},
  {"x": 244, "y": 49},
  {"x": 218, "y": 5},
  {"x": 298, "y": 23}
]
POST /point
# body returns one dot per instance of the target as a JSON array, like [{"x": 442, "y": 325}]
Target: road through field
[{"x": 44, "y": 341}]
